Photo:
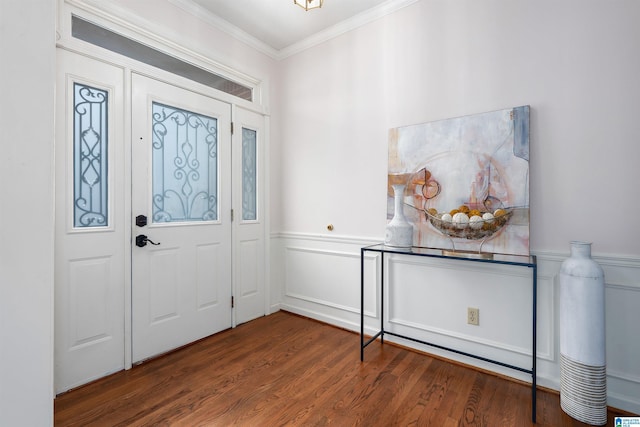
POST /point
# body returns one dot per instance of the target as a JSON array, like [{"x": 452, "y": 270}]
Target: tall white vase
[
  {"x": 399, "y": 232},
  {"x": 583, "y": 386}
]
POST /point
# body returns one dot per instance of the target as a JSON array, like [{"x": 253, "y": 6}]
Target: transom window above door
[{"x": 107, "y": 39}]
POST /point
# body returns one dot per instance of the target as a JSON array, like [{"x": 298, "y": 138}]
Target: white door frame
[
  {"x": 125, "y": 203},
  {"x": 111, "y": 16}
]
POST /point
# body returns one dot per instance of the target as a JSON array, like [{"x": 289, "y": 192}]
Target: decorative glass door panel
[
  {"x": 185, "y": 169},
  {"x": 90, "y": 143},
  {"x": 249, "y": 171}
]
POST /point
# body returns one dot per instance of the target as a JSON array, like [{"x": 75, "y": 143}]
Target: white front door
[{"x": 181, "y": 184}]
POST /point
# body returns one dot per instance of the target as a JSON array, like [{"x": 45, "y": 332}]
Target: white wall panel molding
[
  {"x": 320, "y": 277},
  {"x": 631, "y": 287},
  {"x": 372, "y": 285},
  {"x": 339, "y": 239},
  {"x": 623, "y": 376},
  {"x": 328, "y": 278},
  {"x": 622, "y": 300},
  {"x": 468, "y": 338},
  {"x": 617, "y": 261},
  {"x": 457, "y": 265},
  {"x": 546, "y": 259},
  {"x": 547, "y": 318},
  {"x": 327, "y": 317},
  {"x": 320, "y": 301},
  {"x": 623, "y": 261},
  {"x": 623, "y": 391},
  {"x": 497, "y": 290}
]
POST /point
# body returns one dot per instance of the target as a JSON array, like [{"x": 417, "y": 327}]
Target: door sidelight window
[{"x": 90, "y": 140}]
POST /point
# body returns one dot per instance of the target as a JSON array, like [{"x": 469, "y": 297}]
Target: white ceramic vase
[
  {"x": 583, "y": 387},
  {"x": 399, "y": 232}
]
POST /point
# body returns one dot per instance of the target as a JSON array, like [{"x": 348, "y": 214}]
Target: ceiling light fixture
[{"x": 309, "y": 4}]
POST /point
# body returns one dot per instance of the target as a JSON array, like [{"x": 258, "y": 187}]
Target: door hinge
[
  {"x": 232, "y": 302},
  {"x": 231, "y": 128},
  {"x": 231, "y": 215}
]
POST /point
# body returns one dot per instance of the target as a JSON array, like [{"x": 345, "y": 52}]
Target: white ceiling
[{"x": 279, "y": 28}]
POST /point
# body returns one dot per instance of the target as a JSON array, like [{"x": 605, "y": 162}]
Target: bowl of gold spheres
[{"x": 467, "y": 223}]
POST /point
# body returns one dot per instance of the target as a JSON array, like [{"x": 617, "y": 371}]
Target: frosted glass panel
[
  {"x": 90, "y": 138},
  {"x": 185, "y": 165},
  {"x": 100, "y": 36},
  {"x": 249, "y": 195}
]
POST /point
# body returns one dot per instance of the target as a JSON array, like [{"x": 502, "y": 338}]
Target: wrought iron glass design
[
  {"x": 249, "y": 195},
  {"x": 185, "y": 165},
  {"x": 90, "y": 141}
]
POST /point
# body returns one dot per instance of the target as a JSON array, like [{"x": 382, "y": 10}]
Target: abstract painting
[{"x": 467, "y": 181}]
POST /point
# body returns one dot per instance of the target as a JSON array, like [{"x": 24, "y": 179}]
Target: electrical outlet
[{"x": 473, "y": 316}]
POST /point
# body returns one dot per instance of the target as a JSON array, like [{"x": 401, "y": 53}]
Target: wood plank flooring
[{"x": 284, "y": 369}]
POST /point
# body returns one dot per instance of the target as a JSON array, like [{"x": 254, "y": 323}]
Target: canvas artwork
[{"x": 467, "y": 181}]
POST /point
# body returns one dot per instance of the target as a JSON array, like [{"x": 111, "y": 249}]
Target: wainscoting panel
[
  {"x": 329, "y": 279},
  {"x": 623, "y": 342},
  {"x": 428, "y": 299}
]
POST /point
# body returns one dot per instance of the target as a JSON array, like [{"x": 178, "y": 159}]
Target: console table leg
[
  {"x": 382, "y": 298},
  {"x": 361, "y": 305},
  {"x": 534, "y": 345}
]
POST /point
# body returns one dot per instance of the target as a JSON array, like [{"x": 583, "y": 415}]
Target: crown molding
[
  {"x": 356, "y": 21},
  {"x": 215, "y": 21},
  {"x": 343, "y": 27}
]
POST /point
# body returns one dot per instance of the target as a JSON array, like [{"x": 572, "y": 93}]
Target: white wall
[
  {"x": 27, "y": 75},
  {"x": 574, "y": 62}
]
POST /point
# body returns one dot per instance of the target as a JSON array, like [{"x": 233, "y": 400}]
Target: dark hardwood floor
[{"x": 285, "y": 369}]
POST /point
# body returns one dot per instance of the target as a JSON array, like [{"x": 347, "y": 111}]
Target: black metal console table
[{"x": 515, "y": 260}]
